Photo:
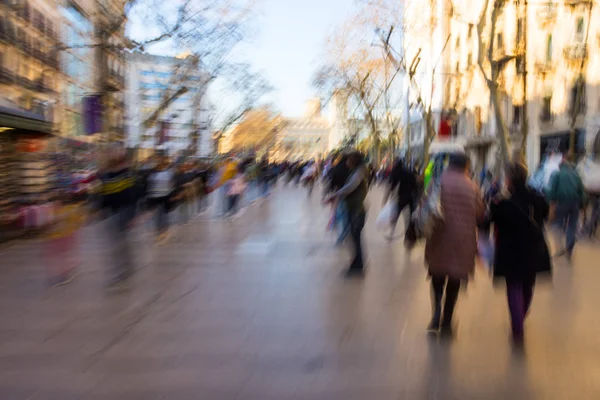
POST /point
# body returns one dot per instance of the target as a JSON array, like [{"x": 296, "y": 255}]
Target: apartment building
[
  {"x": 180, "y": 125},
  {"x": 546, "y": 44},
  {"x": 29, "y": 64}
]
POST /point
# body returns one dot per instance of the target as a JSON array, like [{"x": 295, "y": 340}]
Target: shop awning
[{"x": 25, "y": 120}]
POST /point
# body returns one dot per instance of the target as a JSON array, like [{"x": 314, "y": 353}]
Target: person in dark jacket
[
  {"x": 521, "y": 251},
  {"x": 338, "y": 175},
  {"x": 119, "y": 195},
  {"x": 403, "y": 182},
  {"x": 353, "y": 193}
]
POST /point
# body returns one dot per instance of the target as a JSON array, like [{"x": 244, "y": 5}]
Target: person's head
[
  {"x": 354, "y": 160},
  {"x": 516, "y": 177},
  {"x": 459, "y": 162}
]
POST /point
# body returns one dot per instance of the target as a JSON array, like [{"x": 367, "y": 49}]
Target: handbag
[
  {"x": 539, "y": 253},
  {"x": 429, "y": 213}
]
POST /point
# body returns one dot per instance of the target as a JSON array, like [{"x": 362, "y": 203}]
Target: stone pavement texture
[{"x": 255, "y": 309}]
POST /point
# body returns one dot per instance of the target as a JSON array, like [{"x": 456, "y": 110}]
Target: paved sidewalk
[{"x": 255, "y": 308}]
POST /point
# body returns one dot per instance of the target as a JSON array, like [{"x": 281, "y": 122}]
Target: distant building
[
  {"x": 304, "y": 138},
  {"x": 183, "y": 125}
]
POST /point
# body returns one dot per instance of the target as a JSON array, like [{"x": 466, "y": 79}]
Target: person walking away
[
  {"x": 566, "y": 196},
  {"x": 451, "y": 250},
  {"x": 338, "y": 176},
  {"x": 403, "y": 182},
  {"x": 236, "y": 190},
  {"x": 118, "y": 201},
  {"x": 521, "y": 252},
  {"x": 353, "y": 193},
  {"x": 160, "y": 189}
]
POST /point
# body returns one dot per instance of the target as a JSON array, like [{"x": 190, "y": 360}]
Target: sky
[{"x": 290, "y": 38}]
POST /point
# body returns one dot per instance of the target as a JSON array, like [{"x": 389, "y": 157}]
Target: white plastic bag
[
  {"x": 386, "y": 215},
  {"x": 429, "y": 213},
  {"x": 590, "y": 175}
]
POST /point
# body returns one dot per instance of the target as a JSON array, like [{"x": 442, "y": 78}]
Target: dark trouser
[
  {"x": 232, "y": 201},
  {"x": 519, "y": 294},
  {"x": 122, "y": 260},
  {"x": 357, "y": 222},
  {"x": 567, "y": 216},
  {"x": 444, "y": 285},
  {"x": 161, "y": 206},
  {"x": 402, "y": 204}
]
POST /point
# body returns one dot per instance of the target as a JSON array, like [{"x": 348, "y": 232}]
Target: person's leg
[
  {"x": 437, "y": 294},
  {"x": 452, "y": 289},
  {"x": 528, "y": 286},
  {"x": 572, "y": 223},
  {"x": 516, "y": 306},
  {"x": 344, "y": 221},
  {"x": 357, "y": 222}
]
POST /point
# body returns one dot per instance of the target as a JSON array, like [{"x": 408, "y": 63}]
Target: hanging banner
[{"x": 92, "y": 114}]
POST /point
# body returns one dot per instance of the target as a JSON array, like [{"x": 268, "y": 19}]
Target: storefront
[
  {"x": 559, "y": 143},
  {"x": 26, "y": 186}
]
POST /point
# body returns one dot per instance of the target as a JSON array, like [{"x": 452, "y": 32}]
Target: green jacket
[{"x": 566, "y": 186}]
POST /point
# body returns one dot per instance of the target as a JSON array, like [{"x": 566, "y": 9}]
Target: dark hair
[
  {"x": 458, "y": 161},
  {"x": 517, "y": 175},
  {"x": 355, "y": 158}
]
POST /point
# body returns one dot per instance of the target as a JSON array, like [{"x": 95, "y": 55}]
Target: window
[
  {"x": 546, "y": 109},
  {"x": 520, "y": 25},
  {"x": 577, "y": 103},
  {"x": 580, "y": 29},
  {"x": 549, "y": 49},
  {"x": 500, "y": 41},
  {"x": 517, "y": 115},
  {"x": 520, "y": 63},
  {"x": 469, "y": 60},
  {"x": 470, "y": 32}
]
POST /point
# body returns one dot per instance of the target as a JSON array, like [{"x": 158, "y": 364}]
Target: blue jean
[
  {"x": 567, "y": 218},
  {"x": 342, "y": 221}
]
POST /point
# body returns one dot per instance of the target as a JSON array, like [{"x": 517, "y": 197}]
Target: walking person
[
  {"x": 566, "y": 196},
  {"x": 118, "y": 200},
  {"x": 338, "y": 175},
  {"x": 353, "y": 193},
  {"x": 161, "y": 184},
  {"x": 402, "y": 183},
  {"x": 236, "y": 189},
  {"x": 521, "y": 251},
  {"x": 451, "y": 250}
]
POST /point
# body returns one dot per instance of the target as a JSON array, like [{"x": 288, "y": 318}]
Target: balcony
[
  {"x": 43, "y": 87},
  {"x": 575, "y": 3},
  {"x": 544, "y": 67},
  {"x": 25, "y": 82},
  {"x": 575, "y": 52},
  {"x": 51, "y": 33},
  {"x": 115, "y": 81},
  {"x": 6, "y": 76},
  {"x": 546, "y": 13}
]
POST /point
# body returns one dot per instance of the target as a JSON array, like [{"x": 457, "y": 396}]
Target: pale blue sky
[
  {"x": 286, "y": 44},
  {"x": 289, "y": 41}
]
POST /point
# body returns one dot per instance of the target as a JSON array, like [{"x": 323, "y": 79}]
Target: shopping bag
[
  {"x": 429, "y": 213},
  {"x": 386, "y": 215}
]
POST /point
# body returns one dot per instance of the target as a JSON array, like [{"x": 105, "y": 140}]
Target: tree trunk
[
  {"x": 502, "y": 132},
  {"x": 429, "y": 136}
]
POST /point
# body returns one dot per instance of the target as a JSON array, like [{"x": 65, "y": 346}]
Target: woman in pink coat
[{"x": 450, "y": 252}]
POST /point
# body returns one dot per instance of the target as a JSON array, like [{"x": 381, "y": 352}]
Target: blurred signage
[{"x": 92, "y": 114}]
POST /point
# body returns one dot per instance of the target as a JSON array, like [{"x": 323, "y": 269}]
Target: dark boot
[
  {"x": 437, "y": 293},
  {"x": 452, "y": 288}
]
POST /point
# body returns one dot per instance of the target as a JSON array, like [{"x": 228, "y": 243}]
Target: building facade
[
  {"x": 29, "y": 66},
  {"x": 167, "y": 105},
  {"x": 303, "y": 138},
  {"x": 550, "y": 80}
]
